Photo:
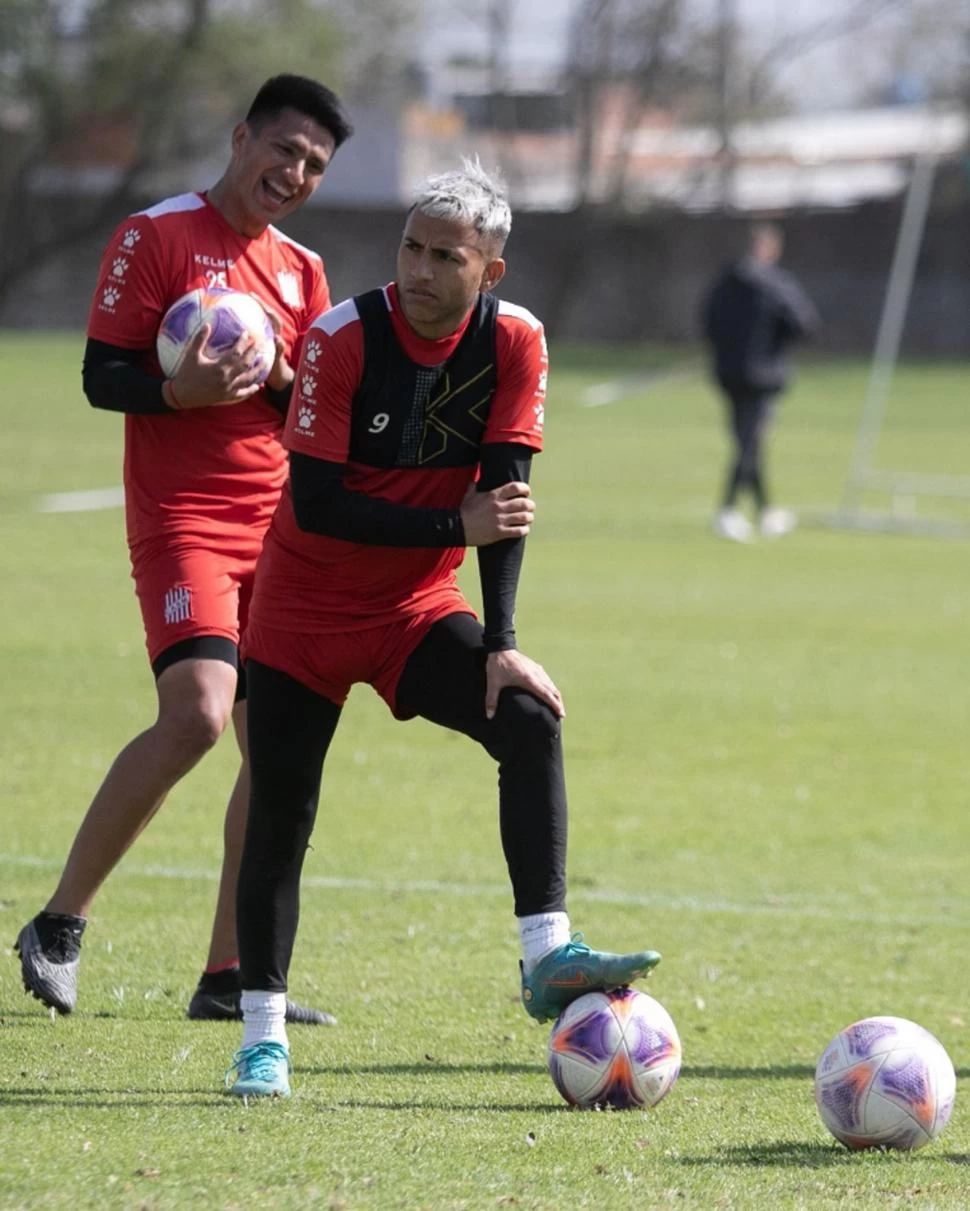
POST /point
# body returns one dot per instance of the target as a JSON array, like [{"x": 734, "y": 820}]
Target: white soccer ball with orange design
[
  {"x": 885, "y": 1082},
  {"x": 229, "y": 313}
]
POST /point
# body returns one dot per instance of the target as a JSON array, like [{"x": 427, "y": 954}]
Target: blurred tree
[
  {"x": 921, "y": 53},
  {"x": 855, "y": 20},
  {"x": 99, "y": 97},
  {"x": 626, "y": 57},
  {"x": 702, "y": 64},
  {"x": 377, "y": 37}
]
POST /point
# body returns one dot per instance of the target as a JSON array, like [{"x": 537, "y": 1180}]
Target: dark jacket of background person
[{"x": 753, "y": 313}]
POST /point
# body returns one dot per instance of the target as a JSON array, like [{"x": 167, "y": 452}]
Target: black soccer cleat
[
  {"x": 207, "y": 1006},
  {"x": 49, "y": 963}
]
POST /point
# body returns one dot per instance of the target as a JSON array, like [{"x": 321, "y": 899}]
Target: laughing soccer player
[
  {"x": 420, "y": 408},
  {"x": 203, "y": 471}
]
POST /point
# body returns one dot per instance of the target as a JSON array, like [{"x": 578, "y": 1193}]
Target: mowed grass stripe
[{"x": 946, "y": 913}]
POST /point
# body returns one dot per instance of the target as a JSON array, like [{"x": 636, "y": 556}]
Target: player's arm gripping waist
[{"x": 322, "y": 505}]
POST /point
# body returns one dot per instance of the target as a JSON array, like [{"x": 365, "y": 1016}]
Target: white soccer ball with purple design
[
  {"x": 885, "y": 1083},
  {"x": 229, "y": 313},
  {"x": 618, "y": 1049}
]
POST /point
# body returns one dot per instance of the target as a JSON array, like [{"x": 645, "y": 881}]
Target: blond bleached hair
[{"x": 469, "y": 195}]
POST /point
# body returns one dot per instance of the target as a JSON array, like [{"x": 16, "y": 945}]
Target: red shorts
[
  {"x": 186, "y": 590},
  {"x": 330, "y": 664}
]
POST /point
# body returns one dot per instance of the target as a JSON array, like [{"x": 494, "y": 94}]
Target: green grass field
[{"x": 769, "y": 782}]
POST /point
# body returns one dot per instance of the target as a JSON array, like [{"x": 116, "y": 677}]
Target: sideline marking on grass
[
  {"x": 601, "y": 395},
  {"x": 87, "y": 501},
  {"x": 959, "y": 918}
]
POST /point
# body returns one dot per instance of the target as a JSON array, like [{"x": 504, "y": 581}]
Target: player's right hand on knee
[
  {"x": 205, "y": 380},
  {"x": 503, "y": 512}
]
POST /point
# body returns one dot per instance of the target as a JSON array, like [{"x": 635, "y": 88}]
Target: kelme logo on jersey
[
  {"x": 289, "y": 287},
  {"x": 109, "y": 298},
  {"x": 213, "y": 262},
  {"x": 305, "y": 416}
]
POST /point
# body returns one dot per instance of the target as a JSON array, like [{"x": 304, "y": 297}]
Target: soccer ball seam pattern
[{"x": 229, "y": 313}]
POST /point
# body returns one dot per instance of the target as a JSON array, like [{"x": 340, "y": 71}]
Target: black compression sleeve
[
  {"x": 323, "y": 505},
  {"x": 113, "y": 379},
  {"x": 500, "y": 563}
]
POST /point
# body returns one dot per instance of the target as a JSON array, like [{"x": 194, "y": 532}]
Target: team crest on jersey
[
  {"x": 178, "y": 604},
  {"x": 289, "y": 287}
]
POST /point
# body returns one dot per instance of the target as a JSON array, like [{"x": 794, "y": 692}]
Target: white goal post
[{"x": 902, "y": 487}]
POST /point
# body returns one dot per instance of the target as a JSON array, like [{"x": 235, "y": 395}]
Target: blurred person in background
[
  {"x": 754, "y": 312},
  {"x": 204, "y": 467}
]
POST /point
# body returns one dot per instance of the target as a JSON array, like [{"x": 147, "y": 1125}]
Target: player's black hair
[{"x": 307, "y": 97}]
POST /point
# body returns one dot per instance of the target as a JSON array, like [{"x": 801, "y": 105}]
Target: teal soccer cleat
[
  {"x": 260, "y": 1071},
  {"x": 573, "y": 969}
]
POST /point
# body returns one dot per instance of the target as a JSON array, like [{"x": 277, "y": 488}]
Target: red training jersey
[
  {"x": 210, "y": 473},
  {"x": 311, "y": 583}
]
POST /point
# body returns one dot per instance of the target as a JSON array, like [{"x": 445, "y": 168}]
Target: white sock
[
  {"x": 541, "y": 933},
  {"x": 264, "y": 1018}
]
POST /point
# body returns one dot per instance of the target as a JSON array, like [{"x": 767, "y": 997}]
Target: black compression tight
[
  {"x": 444, "y": 682},
  {"x": 751, "y": 414},
  {"x": 290, "y": 729}
]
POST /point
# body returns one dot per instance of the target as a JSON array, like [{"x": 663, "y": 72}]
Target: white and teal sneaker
[{"x": 260, "y": 1071}]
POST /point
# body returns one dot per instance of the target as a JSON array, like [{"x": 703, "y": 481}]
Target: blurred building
[{"x": 806, "y": 160}]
